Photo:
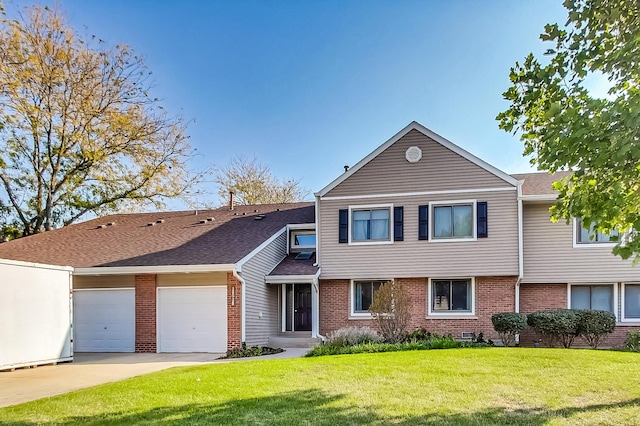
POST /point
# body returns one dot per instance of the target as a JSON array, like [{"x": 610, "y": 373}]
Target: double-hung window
[
  {"x": 631, "y": 305},
  {"x": 370, "y": 224},
  {"x": 362, "y": 293},
  {"x": 451, "y": 296},
  {"x": 599, "y": 297},
  {"x": 591, "y": 236},
  {"x": 453, "y": 221}
]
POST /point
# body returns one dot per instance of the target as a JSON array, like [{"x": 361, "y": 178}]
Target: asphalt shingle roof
[
  {"x": 291, "y": 266},
  {"x": 539, "y": 183},
  {"x": 175, "y": 238}
]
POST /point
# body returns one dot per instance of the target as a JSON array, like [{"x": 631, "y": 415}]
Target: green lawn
[{"x": 457, "y": 386}]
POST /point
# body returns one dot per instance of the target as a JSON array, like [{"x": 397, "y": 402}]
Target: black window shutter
[
  {"x": 423, "y": 222},
  {"x": 398, "y": 223},
  {"x": 483, "y": 223},
  {"x": 343, "y": 227}
]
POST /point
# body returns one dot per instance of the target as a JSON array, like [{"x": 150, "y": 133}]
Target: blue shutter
[
  {"x": 343, "y": 227},
  {"x": 423, "y": 222},
  {"x": 398, "y": 223},
  {"x": 483, "y": 223}
]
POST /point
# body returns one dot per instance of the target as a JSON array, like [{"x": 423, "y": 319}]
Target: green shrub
[
  {"x": 350, "y": 336},
  {"x": 245, "y": 351},
  {"x": 433, "y": 342},
  {"x": 419, "y": 334},
  {"x": 508, "y": 324},
  {"x": 557, "y": 325},
  {"x": 632, "y": 342},
  {"x": 594, "y": 325}
]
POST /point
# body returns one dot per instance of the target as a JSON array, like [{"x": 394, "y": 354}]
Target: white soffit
[{"x": 414, "y": 125}]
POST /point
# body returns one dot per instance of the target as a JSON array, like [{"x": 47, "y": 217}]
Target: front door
[{"x": 302, "y": 307}]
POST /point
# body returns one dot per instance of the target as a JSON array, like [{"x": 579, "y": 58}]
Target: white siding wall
[
  {"x": 495, "y": 255},
  {"x": 262, "y": 299},
  {"x": 549, "y": 255}
]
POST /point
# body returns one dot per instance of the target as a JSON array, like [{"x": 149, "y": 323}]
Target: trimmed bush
[
  {"x": 632, "y": 343},
  {"x": 594, "y": 325},
  {"x": 350, "y": 336},
  {"x": 508, "y": 324},
  {"x": 560, "y": 325},
  {"x": 245, "y": 351}
]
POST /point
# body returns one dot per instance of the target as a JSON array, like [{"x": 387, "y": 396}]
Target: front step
[{"x": 294, "y": 342}]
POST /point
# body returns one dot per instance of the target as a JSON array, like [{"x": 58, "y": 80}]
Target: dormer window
[{"x": 303, "y": 241}]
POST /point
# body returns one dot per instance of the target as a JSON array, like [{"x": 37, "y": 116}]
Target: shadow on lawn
[{"x": 315, "y": 407}]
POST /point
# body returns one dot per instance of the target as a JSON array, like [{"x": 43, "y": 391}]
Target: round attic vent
[{"x": 413, "y": 154}]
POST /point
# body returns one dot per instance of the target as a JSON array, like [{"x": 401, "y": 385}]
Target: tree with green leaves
[
  {"x": 253, "y": 183},
  {"x": 565, "y": 126},
  {"x": 80, "y": 133}
]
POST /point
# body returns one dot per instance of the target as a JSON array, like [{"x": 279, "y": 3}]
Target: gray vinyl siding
[
  {"x": 549, "y": 255},
  {"x": 495, "y": 255},
  {"x": 439, "y": 169},
  {"x": 103, "y": 281},
  {"x": 260, "y": 297}
]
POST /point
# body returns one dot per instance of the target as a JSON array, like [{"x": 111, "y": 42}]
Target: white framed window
[
  {"x": 589, "y": 237},
  {"x": 303, "y": 240},
  {"x": 451, "y": 297},
  {"x": 602, "y": 297},
  {"x": 361, "y": 295},
  {"x": 371, "y": 224},
  {"x": 630, "y": 302},
  {"x": 452, "y": 220}
]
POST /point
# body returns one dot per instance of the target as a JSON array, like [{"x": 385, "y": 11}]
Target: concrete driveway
[{"x": 92, "y": 369}]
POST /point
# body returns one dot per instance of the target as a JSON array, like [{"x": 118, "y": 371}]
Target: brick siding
[
  {"x": 536, "y": 297},
  {"x": 234, "y": 312},
  {"x": 145, "y": 313},
  {"x": 493, "y": 294}
]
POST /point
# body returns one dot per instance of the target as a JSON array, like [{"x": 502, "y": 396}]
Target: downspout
[
  {"x": 520, "y": 248},
  {"x": 316, "y": 318},
  {"x": 520, "y": 256},
  {"x": 236, "y": 273}
]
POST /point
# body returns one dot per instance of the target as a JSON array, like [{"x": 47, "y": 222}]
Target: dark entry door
[{"x": 302, "y": 307}]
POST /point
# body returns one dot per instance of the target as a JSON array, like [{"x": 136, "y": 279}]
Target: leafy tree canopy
[
  {"x": 564, "y": 126},
  {"x": 79, "y": 132},
  {"x": 252, "y": 183}
]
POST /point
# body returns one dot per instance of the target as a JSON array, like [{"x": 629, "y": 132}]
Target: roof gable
[{"x": 410, "y": 131}]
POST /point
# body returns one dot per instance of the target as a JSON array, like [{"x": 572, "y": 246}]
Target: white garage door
[
  {"x": 192, "y": 319},
  {"x": 104, "y": 320}
]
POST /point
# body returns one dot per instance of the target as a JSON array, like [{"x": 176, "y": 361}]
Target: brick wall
[
  {"x": 145, "y": 313},
  {"x": 493, "y": 294},
  {"x": 536, "y": 297},
  {"x": 234, "y": 312}
]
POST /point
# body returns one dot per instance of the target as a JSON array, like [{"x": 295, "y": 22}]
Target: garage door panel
[
  {"x": 104, "y": 320},
  {"x": 192, "y": 319}
]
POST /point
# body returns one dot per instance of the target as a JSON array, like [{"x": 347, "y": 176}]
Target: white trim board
[
  {"x": 159, "y": 269},
  {"x": 414, "y": 125}
]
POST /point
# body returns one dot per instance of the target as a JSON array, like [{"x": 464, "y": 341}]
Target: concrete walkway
[{"x": 92, "y": 369}]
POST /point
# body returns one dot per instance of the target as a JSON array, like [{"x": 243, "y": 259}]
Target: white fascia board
[
  {"x": 289, "y": 279},
  {"x": 160, "y": 269},
  {"x": 414, "y": 125},
  {"x": 35, "y": 265},
  {"x": 539, "y": 198},
  {"x": 302, "y": 226},
  {"x": 257, "y": 250}
]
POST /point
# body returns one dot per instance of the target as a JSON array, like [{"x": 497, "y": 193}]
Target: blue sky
[{"x": 310, "y": 86}]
